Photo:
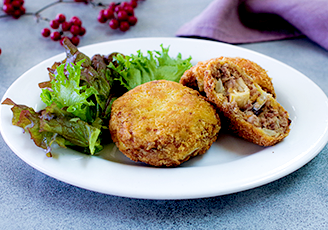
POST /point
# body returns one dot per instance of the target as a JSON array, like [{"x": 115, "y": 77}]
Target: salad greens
[
  {"x": 80, "y": 93},
  {"x": 137, "y": 69},
  {"x": 67, "y": 92}
]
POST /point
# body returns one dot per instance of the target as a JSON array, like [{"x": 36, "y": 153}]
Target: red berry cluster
[
  {"x": 120, "y": 15},
  {"x": 14, "y": 8},
  {"x": 63, "y": 28}
]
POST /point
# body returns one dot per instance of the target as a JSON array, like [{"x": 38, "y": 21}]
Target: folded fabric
[{"x": 237, "y": 21}]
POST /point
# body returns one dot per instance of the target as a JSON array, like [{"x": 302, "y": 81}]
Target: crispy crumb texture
[
  {"x": 163, "y": 123},
  {"x": 194, "y": 77}
]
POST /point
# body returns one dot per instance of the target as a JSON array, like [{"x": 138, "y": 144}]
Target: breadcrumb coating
[
  {"x": 163, "y": 123},
  {"x": 194, "y": 77}
]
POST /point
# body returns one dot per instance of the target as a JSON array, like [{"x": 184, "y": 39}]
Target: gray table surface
[{"x": 31, "y": 200}]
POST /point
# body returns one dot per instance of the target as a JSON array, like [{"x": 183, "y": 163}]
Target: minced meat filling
[
  {"x": 256, "y": 104},
  {"x": 268, "y": 117},
  {"x": 229, "y": 78}
]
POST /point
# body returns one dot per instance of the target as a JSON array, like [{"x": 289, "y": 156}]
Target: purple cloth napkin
[{"x": 237, "y": 21}]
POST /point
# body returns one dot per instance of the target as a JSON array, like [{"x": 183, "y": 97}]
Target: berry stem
[
  {"x": 52, "y": 4},
  {"x": 5, "y": 16},
  {"x": 37, "y": 13}
]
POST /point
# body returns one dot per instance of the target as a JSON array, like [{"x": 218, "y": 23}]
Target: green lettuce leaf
[
  {"x": 137, "y": 69},
  {"x": 73, "y": 129},
  {"x": 54, "y": 125},
  {"x": 67, "y": 92}
]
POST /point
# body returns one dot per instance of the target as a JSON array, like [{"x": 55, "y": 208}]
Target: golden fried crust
[
  {"x": 163, "y": 123},
  {"x": 265, "y": 126},
  {"x": 194, "y": 77}
]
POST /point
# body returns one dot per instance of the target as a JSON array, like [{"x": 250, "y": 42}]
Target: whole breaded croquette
[{"x": 163, "y": 123}]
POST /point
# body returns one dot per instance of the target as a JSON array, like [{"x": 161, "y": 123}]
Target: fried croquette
[
  {"x": 194, "y": 77},
  {"x": 163, "y": 123},
  {"x": 252, "y": 113}
]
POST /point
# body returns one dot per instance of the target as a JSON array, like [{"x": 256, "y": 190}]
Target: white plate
[{"x": 231, "y": 165}]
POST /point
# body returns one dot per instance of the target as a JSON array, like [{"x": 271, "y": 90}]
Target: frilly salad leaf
[
  {"x": 67, "y": 92},
  {"x": 68, "y": 118},
  {"x": 137, "y": 69},
  {"x": 53, "y": 125},
  {"x": 76, "y": 131}
]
